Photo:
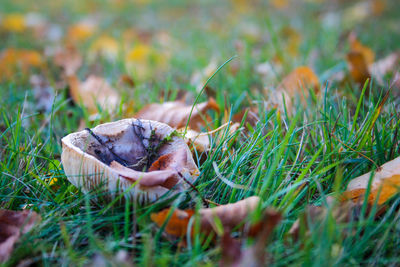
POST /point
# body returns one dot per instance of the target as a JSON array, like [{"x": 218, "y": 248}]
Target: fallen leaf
[
  {"x": 12, "y": 60},
  {"x": 199, "y": 142},
  {"x": 230, "y": 216},
  {"x": 81, "y": 31},
  {"x": 176, "y": 114},
  {"x": 297, "y": 83},
  {"x": 359, "y": 59},
  {"x": 140, "y": 53},
  {"x": 68, "y": 58},
  {"x": 357, "y": 46},
  {"x": 106, "y": 47},
  {"x": 93, "y": 92},
  {"x": 234, "y": 254},
  {"x": 385, "y": 184},
  {"x": 301, "y": 79},
  {"x": 13, "y": 224},
  {"x": 13, "y": 23},
  {"x": 358, "y": 67}
]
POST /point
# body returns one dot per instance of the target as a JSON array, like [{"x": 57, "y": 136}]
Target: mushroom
[{"x": 142, "y": 159}]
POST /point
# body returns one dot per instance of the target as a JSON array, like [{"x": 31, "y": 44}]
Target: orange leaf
[
  {"x": 230, "y": 216},
  {"x": 385, "y": 184},
  {"x": 358, "y": 67},
  {"x": 80, "y": 31},
  {"x": 12, "y": 60},
  {"x": 297, "y": 83},
  {"x": 178, "y": 223},
  {"x": 359, "y": 59},
  {"x": 301, "y": 79},
  {"x": 366, "y": 52}
]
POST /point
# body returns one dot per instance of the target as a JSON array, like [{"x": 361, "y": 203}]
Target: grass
[{"x": 289, "y": 161}]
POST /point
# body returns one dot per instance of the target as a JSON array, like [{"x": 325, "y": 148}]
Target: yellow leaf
[
  {"x": 13, "y": 23},
  {"x": 80, "y": 31},
  {"x": 104, "y": 46},
  {"x": 140, "y": 53}
]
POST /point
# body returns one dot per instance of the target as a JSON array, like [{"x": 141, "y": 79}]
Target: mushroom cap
[{"x": 113, "y": 160}]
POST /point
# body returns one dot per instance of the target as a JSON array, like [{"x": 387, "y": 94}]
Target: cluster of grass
[{"x": 289, "y": 161}]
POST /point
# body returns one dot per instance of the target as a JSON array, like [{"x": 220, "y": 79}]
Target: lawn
[{"x": 302, "y": 98}]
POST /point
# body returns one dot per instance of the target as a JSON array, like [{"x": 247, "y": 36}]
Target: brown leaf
[
  {"x": 233, "y": 254},
  {"x": 358, "y": 67},
  {"x": 229, "y": 215},
  {"x": 357, "y": 46},
  {"x": 299, "y": 82},
  {"x": 69, "y": 59},
  {"x": 196, "y": 141},
  {"x": 176, "y": 114},
  {"x": 92, "y": 92},
  {"x": 12, "y": 225},
  {"x": 385, "y": 184},
  {"x": 359, "y": 59}
]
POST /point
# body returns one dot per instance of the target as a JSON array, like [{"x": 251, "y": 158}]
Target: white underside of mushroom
[{"x": 87, "y": 162}]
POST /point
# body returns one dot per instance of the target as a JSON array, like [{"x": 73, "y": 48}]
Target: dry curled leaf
[
  {"x": 176, "y": 114},
  {"x": 12, "y": 225},
  {"x": 144, "y": 159},
  {"x": 229, "y": 215},
  {"x": 385, "y": 184},
  {"x": 93, "y": 92}
]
